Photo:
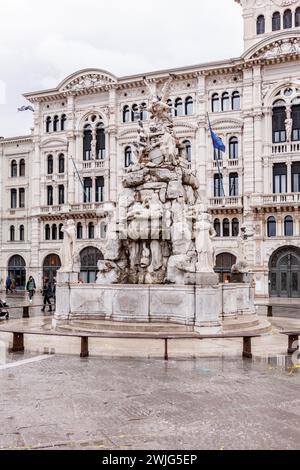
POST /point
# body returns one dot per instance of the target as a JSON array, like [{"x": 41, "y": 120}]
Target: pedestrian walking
[
  {"x": 47, "y": 294},
  {"x": 54, "y": 289},
  {"x": 8, "y": 285},
  {"x": 30, "y": 287}
]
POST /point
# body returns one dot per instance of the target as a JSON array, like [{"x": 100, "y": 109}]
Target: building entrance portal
[{"x": 284, "y": 273}]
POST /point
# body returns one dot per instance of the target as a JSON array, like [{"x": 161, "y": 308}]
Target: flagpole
[
  {"x": 218, "y": 164},
  {"x": 79, "y": 177}
]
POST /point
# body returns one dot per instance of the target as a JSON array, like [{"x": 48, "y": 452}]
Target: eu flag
[{"x": 217, "y": 141}]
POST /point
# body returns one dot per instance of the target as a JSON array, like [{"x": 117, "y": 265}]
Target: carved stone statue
[
  {"x": 204, "y": 233},
  {"x": 108, "y": 272},
  {"x": 289, "y": 128},
  {"x": 68, "y": 250}
]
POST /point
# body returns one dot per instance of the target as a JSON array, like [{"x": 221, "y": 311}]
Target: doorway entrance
[{"x": 284, "y": 273}]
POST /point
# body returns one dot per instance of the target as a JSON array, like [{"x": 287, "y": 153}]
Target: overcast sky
[{"x": 43, "y": 42}]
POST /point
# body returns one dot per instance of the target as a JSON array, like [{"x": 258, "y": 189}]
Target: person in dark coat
[
  {"x": 8, "y": 285},
  {"x": 30, "y": 287},
  {"x": 47, "y": 294}
]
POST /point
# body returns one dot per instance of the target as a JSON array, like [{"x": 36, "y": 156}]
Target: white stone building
[{"x": 254, "y": 105}]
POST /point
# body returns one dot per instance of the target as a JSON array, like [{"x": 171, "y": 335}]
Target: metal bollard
[{"x": 26, "y": 311}]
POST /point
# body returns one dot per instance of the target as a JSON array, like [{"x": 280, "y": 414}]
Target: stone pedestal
[
  {"x": 64, "y": 281},
  {"x": 207, "y": 279},
  {"x": 208, "y": 309}
]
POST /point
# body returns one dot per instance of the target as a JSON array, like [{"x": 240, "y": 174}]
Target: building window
[
  {"x": 49, "y": 196},
  {"x": 143, "y": 113},
  {"x": 217, "y": 227},
  {"x": 54, "y": 232},
  {"x": 276, "y": 21},
  {"x": 135, "y": 115},
  {"x": 63, "y": 120},
  {"x": 61, "y": 194},
  {"x": 279, "y": 178},
  {"x": 188, "y": 150},
  {"x": 47, "y": 232},
  {"x": 100, "y": 141},
  {"x": 218, "y": 185},
  {"x": 126, "y": 114},
  {"x": 189, "y": 105},
  {"x": 89, "y": 258},
  {"x": 87, "y": 142},
  {"x": 278, "y": 122},
  {"x": 225, "y": 101},
  {"x": 287, "y": 19},
  {"x": 79, "y": 231},
  {"x": 12, "y": 233},
  {"x": 13, "y": 198},
  {"x": 296, "y": 177},
  {"x": 48, "y": 124},
  {"x": 296, "y": 122},
  {"x": 100, "y": 189},
  {"x": 22, "y": 233},
  {"x": 88, "y": 184},
  {"x": 288, "y": 226},
  {"x": 297, "y": 17},
  {"x": 226, "y": 228},
  {"x": 233, "y": 184},
  {"x": 236, "y": 101},
  {"x": 91, "y": 230},
  {"x": 127, "y": 157},
  {"x": 235, "y": 227},
  {"x": 55, "y": 123},
  {"x": 271, "y": 227},
  {"x": 233, "y": 148},
  {"x": 21, "y": 198},
  {"x": 50, "y": 165},
  {"x": 103, "y": 230},
  {"x": 60, "y": 232},
  {"x": 61, "y": 163},
  {"x": 178, "y": 107},
  {"x": 218, "y": 154},
  {"x": 22, "y": 167},
  {"x": 215, "y": 103},
  {"x": 14, "y": 169},
  {"x": 260, "y": 24}
]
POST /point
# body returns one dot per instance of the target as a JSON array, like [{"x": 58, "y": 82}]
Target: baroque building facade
[{"x": 81, "y": 145}]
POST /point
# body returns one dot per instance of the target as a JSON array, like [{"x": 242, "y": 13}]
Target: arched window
[
  {"x": 215, "y": 103},
  {"x": 260, "y": 24},
  {"x": 22, "y": 233},
  {"x": 276, "y": 21},
  {"x": 60, "y": 232},
  {"x": 47, "y": 232},
  {"x": 235, "y": 227},
  {"x": 51, "y": 265},
  {"x": 55, "y": 123},
  {"x": 87, "y": 142},
  {"x": 170, "y": 104},
  {"x": 50, "y": 164},
  {"x": 61, "y": 163},
  {"x": 17, "y": 271},
  {"x": 224, "y": 263},
  {"x": 127, "y": 157},
  {"x": 99, "y": 196},
  {"x": 296, "y": 122},
  {"x": 49, "y": 195},
  {"x": 226, "y": 228},
  {"x": 271, "y": 227},
  {"x": 217, "y": 227},
  {"x": 288, "y": 226},
  {"x": 12, "y": 233},
  {"x": 63, "y": 120},
  {"x": 79, "y": 231},
  {"x": 48, "y": 124},
  {"x": 233, "y": 184},
  {"x": 225, "y": 101},
  {"x": 178, "y": 107},
  {"x": 233, "y": 148},
  {"x": 126, "y": 114},
  {"x": 188, "y": 150},
  {"x": 54, "y": 232},
  {"x": 287, "y": 19},
  {"x": 88, "y": 189},
  {"x": 13, "y": 198},
  {"x": 22, "y": 167},
  {"x": 103, "y": 230},
  {"x": 14, "y": 169},
  {"x": 278, "y": 122},
  {"x": 91, "y": 230},
  {"x": 143, "y": 113},
  {"x": 218, "y": 185},
  {"x": 100, "y": 141},
  {"x": 235, "y": 101},
  {"x": 297, "y": 17},
  {"x": 89, "y": 258},
  {"x": 135, "y": 113},
  {"x": 189, "y": 105}
]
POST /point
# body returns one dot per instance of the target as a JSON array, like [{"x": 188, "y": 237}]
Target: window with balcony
[
  {"x": 279, "y": 178},
  {"x": 233, "y": 184},
  {"x": 127, "y": 157},
  {"x": 233, "y": 148},
  {"x": 22, "y": 167},
  {"x": 287, "y": 19},
  {"x": 288, "y": 226},
  {"x": 218, "y": 155},
  {"x": 99, "y": 189},
  {"x": 50, "y": 195},
  {"x": 61, "y": 194},
  {"x": 278, "y": 122},
  {"x": 100, "y": 141},
  {"x": 276, "y": 21},
  {"x": 12, "y": 233},
  {"x": 271, "y": 227},
  {"x": 235, "y": 227},
  {"x": 226, "y": 228},
  {"x": 21, "y": 198},
  {"x": 260, "y": 24},
  {"x": 296, "y": 122},
  {"x": 296, "y": 177},
  {"x": 87, "y": 142},
  {"x": 50, "y": 164},
  {"x": 14, "y": 169},
  {"x": 13, "y": 198},
  {"x": 218, "y": 185},
  {"x": 88, "y": 185},
  {"x": 217, "y": 227}
]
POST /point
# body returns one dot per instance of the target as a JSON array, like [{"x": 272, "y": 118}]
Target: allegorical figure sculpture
[
  {"x": 204, "y": 233},
  {"x": 69, "y": 246}
]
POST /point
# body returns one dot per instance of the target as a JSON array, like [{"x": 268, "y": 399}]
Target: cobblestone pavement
[{"x": 64, "y": 402}]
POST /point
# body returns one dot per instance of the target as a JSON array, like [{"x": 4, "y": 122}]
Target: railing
[
  {"x": 226, "y": 201},
  {"x": 50, "y": 209},
  {"x": 271, "y": 199},
  {"x": 286, "y": 147},
  {"x": 86, "y": 206},
  {"x": 226, "y": 163},
  {"x": 93, "y": 164}
]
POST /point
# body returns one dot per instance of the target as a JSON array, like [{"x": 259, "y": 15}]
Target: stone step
[
  {"x": 261, "y": 328},
  {"x": 97, "y": 326},
  {"x": 241, "y": 322}
]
